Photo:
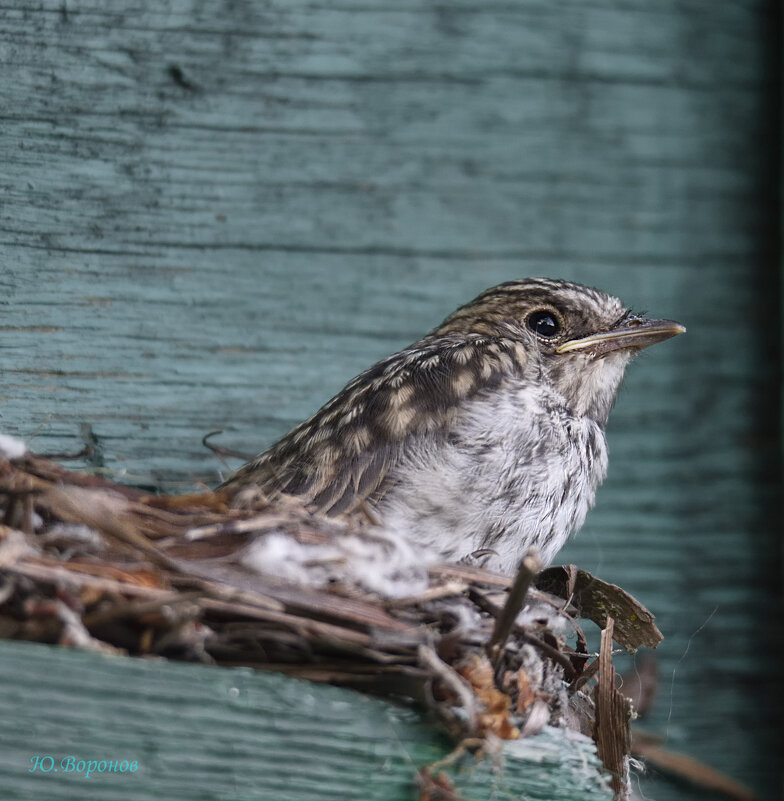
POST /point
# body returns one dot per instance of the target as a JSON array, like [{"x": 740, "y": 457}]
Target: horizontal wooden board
[{"x": 223, "y": 734}]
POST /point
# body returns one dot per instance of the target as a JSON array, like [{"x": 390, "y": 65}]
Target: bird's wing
[{"x": 341, "y": 456}]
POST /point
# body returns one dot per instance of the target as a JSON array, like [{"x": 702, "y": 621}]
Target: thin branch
[
  {"x": 529, "y": 567},
  {"x": 454, "y": 682}
]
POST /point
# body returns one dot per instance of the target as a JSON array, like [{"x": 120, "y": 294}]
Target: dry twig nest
[{"x": 97, "y": 565}]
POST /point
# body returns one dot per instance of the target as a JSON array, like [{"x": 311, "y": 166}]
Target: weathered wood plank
[
  {"x": 209, "y": 733},
  {"x": 215, "y": 214}
]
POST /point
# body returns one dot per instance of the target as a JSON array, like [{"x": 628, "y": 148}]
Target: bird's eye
[{"x": 544, "y": 324}]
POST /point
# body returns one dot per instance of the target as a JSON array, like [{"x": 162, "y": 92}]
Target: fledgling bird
[{"x": 485, "y": 435}]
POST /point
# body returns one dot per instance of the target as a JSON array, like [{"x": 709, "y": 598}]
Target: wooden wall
[{"x": 214, "y": 214}]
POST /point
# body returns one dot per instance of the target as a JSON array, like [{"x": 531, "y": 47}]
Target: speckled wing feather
[{"x": 342, "y": 455}]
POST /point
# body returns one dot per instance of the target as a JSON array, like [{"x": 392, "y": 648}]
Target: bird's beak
[{"x": 632, "y": 332}]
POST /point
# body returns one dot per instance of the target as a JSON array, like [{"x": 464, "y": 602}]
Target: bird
[{"x": 485, "y": 437}]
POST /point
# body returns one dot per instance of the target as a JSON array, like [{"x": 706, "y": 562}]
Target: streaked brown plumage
[{"x": 453, "y": 402}]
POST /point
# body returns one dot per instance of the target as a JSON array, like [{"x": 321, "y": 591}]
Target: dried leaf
[
  {"x": 436, "y": 788},
  {"x": 599, "y": 600},
  {"x": 479, "y": 673},
  {"x": 525, "y": 692}
]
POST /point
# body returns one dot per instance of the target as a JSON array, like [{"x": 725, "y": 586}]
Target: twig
[
  {"x": 684, "y": 767},
  {"x": 448, "y": 590},
  {"x": 54, "y": 575},
  {"x": 455, "y": 682},
  {"x": 613, "y": 715},
  {"x": 220, "y": 451},
  {"x": 136, "y": 610},
  {"x": 529, "y": 567},
  {"x": 486, "y": 605},
  {"x": 588, "y": 673},
  {"x": 100, "y": 511}
]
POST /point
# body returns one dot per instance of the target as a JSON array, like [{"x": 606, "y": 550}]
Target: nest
[{"x": 89, "y": 563}]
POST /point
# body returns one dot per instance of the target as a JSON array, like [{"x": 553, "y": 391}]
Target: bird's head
[{"x": 581, "y": 339}]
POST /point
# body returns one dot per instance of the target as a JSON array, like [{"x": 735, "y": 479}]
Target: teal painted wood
[
  {"x": 213, "y": 215},
  {"x": 219, "y": 734}
]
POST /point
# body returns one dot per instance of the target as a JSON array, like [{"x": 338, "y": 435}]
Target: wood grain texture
[
  {"x": 215, "y": 214},
  {"x": 239, "y": 735}
]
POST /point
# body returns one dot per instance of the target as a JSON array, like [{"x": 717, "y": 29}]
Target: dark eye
[{"x": 544, "y": 324}]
